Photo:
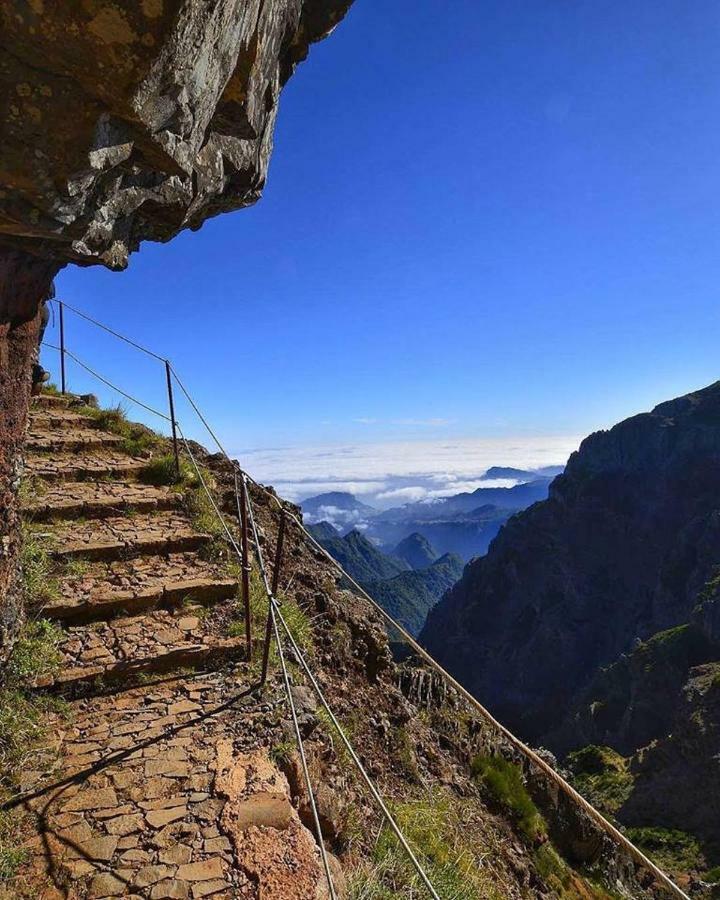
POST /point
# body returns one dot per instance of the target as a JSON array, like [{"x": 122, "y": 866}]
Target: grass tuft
[
  {"x": 505, "y": 782},
  {"x": 137, "y": 439},
  {"x": 437, "y": 828},
  {"x": 161, "y": 470},
  {"x": 39, "y": 582}
]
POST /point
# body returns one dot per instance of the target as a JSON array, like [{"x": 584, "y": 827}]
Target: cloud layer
[{"x": 391, "y": 473}]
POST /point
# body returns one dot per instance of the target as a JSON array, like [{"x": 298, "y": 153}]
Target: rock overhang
[{"x": 132, "y": 121}]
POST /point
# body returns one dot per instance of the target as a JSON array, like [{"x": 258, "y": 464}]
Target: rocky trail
[{"x": 154, "y": 787}]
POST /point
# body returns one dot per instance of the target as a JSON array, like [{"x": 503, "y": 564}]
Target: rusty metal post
[
  {"x": 171, "y": 404},
  {"x": 275, "y": 579},
  {"x": 241, "y": 501},
  {"x": 61, "y": 308}
]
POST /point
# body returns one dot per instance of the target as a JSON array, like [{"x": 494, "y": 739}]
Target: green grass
[
  {"x": 161, "y": 471},
  {"x": 671, "y": 849},
  {"x": 12, "y": 855},
  {"x": 137, "y": 439},
  {"x": 39, "y": 582},
  {"x": 712, "y": 876},
  {"x": 35, "y": 652},
  {"x": 438, "y": 829},
  {"x": 602, "y": 776},
  {"x": 23, "y": 727},
  {"x": 504, "y": 781},
  {"x": 280, "y": 753}
]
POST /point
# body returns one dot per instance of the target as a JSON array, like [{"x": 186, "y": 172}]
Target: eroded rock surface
[{"x": 131, "y": 121}]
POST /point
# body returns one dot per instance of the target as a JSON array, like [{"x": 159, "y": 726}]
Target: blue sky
[{"x": 491, "y": 220}]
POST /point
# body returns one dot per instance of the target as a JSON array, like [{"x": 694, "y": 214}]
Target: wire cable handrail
[
  {"x": 104, "y": 380},
  {"x": 109, "y": 330},
  {"x": 519, "y": 745}
]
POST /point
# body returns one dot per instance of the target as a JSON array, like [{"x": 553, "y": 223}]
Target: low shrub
[{"x": 602, "y": 776}]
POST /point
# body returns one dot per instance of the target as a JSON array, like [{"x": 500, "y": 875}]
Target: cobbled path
[{"x": 154, "y": 786}]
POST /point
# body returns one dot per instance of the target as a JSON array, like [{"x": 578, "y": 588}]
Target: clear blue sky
[{"x": 481, "y": 219}]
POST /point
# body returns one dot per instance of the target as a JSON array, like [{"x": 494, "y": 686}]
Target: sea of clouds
[{"x": 391, "y": 473}]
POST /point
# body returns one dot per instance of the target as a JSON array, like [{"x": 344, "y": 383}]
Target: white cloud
[{"x": 404, "y": 494}]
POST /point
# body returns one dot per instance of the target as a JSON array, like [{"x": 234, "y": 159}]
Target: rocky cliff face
[
  {"x": 628, "y": 537},
  {"x": 130, "y": 121},
  {"x": 124, "y": 122}
]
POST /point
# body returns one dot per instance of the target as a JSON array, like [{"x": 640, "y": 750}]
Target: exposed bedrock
[
  {"x": 124, "y": 122},
  {"x": 131, "y": 121},
  {"x": 24, "y": 280}
]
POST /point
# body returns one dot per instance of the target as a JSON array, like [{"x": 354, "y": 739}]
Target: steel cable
[
  {"x": 109, "y": 384},
  {"x": 109, "y": 330}
]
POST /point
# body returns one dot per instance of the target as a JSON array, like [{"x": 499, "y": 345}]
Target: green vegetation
[
  {"x": 551, "y": 868},
  {"x": 161, "y": 470},
  {"x": 602, "y": 776},
  {"x": 12, "y": 855},
  {"x": 505, "y": 782},
  {"x": 23, "y": 726},
  {"x": 35, "y": 653},
  {"x": 137, "y": 439},
  {"x": 671, "y": 849},
  {"x": 280, "y": 753},
  {"x": 440, "y": 830},
  {"x": 404, "y": 753},
  {"x": 39, "y": 582},
  {"x": 712, "y": 876}
]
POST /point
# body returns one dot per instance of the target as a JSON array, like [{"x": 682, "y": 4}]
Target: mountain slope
[
  {"x": 416, "y": 550},
  {"x": 627, "y": 537},
  {"x": 410, "y": 596},
  {"x": 361, "y": 559},
  {"x": 340, "y": 508},
  {"x": 594, "y": 623}
]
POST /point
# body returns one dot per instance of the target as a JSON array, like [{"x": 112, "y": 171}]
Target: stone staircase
[
  {"x": 141, "y": 558},
  {"x": 157, "y": 785}
]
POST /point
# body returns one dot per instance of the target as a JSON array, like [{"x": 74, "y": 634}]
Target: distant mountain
[
  {"x": 522, "y": 474},
  {"x": 464, "y": 523},
  {"x": 406, "y": 595},
  {"x": 340, "y": 508},
  {"x": 410, "y": 596},
  {"x": 416, "y": 550},
  {"x": 362, "y": 559},
  {"x": 467, "y": 534},
  {"x": 323, "y": 531},
  {"x": 510, "y": 472}
]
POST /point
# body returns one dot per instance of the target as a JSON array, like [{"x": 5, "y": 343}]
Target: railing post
[
  {"x": 171, "y": 404},
  {"x": 241, "y": 500},
  {"x": 275, "y": 580},
  {"x": 62, "y": 346}
]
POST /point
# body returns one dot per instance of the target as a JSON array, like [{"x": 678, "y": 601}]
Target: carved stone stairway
[{"x": 157, "y": 784}]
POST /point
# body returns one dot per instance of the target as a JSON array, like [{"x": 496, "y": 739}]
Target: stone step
[
  {"x": 84, "y": 466},
  {"x": 52, "y": 417},
  {"x": 53, "y": 401},
  {"x": 158, "y": 641},
  {"x": 120, "y": 537},
  {"x": 97, "y": 499},
  {"x": 63, "y": 440},
  {"x": 100, "y": 590}
]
